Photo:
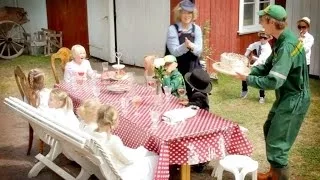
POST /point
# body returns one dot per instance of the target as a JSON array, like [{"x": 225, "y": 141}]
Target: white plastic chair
[{"x": 239, "y": 165}]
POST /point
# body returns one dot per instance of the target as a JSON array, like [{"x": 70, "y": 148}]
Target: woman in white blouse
[
  {"x": 135, "y": 164},
  {"x": 303, "y": 25}
]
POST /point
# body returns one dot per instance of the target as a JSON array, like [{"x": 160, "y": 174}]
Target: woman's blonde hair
[
  {"x": 76, "y": 49},
  {"x": 107, "y": 116},
  {"x": 177, "y": 11},
  {"x": 61, "y": 95},
  {"x": 89, "y": 108},
  {"x": 36, "y": 83}
]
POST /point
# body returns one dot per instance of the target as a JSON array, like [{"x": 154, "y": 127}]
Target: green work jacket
[{"x": 285, "y": 71}]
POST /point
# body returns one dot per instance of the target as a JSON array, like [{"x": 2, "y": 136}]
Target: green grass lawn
[{"x": 224, "y": 101}]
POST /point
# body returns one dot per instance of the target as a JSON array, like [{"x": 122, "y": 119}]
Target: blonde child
[
  {"x": 79, "y": 66},
  {"x": 131, "y": 163},
  {"x": 87, "y": 113},
  {"x": 61, "y": 108},
  {"x": 38, "y": 91}
]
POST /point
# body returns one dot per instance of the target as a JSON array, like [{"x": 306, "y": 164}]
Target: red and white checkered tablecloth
[{"x": 205, "y": 136}]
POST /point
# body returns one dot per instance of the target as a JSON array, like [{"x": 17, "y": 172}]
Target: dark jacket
[{"x": 199, "y": 99}]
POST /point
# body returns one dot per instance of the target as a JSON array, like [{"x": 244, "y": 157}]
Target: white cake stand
[{"x": 118, "y": 66}]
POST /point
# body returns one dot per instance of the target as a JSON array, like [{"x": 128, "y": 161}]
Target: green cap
[
  {"x": 275, "y": 11},
  {"x": 170, "y": 59}
]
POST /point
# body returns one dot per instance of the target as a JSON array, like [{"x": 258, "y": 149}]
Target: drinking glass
[
  {"x": 131, "y": 78},
  {"x": 80, "y": 77},
  {"x": 151, "y": 82},
  {"x": 94, "y": 74},
  {"x": 136, "y": 101},
  {"x": 105, "y": 66},
  {"x": 182, "y": 93},
  {"x": 105, "y": 73},
  {"x": 154, "y": 115},
  {"x": 167, "y": 91},
  {"x": 96, "y": 91},
  {"x": 124, "y": 105}
]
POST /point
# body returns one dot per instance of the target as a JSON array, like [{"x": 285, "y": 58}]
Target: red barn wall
[
  {"x": 70, "y": 18},
  {"x": 224, "y": 19}
]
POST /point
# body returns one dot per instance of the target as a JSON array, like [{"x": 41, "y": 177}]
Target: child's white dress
[
  {"x": 44, "y": 95},
  {"x": 65, "y": 117},
  {"x": 72, "y": 67},
  {"x": 88, "y": 128},
  {"x": 133, "y": 164}
]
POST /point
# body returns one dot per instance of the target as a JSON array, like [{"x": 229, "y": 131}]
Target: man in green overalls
[{"x": 285, "y": 71}]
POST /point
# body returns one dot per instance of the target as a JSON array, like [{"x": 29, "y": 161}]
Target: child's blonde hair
[
  {"x": 89, "y": 108},
  {"x": 61, "y": 95},
  {"x": 36, "y": 79},
  {"x": 76, "y": 49},
  {"x": 107, "y": 116},
  {"x": 36, "y": 83}
]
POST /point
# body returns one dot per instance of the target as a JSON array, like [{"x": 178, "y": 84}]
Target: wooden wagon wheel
[{"x": 12, "y": 40}]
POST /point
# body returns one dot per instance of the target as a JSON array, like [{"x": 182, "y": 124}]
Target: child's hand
[
  {"x": 184, "y": 102},
  {"x": 171, "y": 67}
]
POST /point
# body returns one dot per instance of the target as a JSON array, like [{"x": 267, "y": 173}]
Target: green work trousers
[{"x": 282, "y": 127}]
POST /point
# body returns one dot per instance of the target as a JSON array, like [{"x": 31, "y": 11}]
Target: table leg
[{"x": 185, "y": 172}]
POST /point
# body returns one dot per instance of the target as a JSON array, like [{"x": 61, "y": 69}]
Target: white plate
[
  {"x": 124, "y": 77},
  {"x": 229, "y": 71},
  {"x": 118, "y": 66},
  {"x": 118, "y": 88}
]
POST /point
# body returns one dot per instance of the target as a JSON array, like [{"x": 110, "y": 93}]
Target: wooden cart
[{"x": 12, "y": 39}]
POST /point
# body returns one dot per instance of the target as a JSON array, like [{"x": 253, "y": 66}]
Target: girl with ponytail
[
  {"x": 139, "y": 163},
  {"x": 61, "y": 107},
  {"x": 39, "y": 94}
]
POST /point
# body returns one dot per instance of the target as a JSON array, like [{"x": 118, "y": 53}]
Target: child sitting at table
[
  {"x": 200, "y": 82},
  {"x": 61, "y": 108},
  {"x": 131, "y": 163},
  {"x": 173, "y": 77},
  {"x": 88, "y": 113},
  {"x": 79, "y": 64},
  {"x": 39, "y": 93}
]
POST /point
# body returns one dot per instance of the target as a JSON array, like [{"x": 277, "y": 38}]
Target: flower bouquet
[{"x": 159, "y": 73}]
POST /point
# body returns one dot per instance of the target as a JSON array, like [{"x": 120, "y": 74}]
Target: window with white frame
[{"x": 248, "y": 17}]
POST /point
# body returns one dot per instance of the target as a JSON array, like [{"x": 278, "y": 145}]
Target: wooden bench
[{"x": 87, "y": 152}]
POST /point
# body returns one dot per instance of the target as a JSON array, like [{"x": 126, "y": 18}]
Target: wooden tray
[{"x": 228, "y": 71}]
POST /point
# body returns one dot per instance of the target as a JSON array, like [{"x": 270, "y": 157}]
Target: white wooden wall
[
  {"x": 141, "y": 28},
  {"x": 37, "y": 13},
  {"x": 297, "y": 9}
]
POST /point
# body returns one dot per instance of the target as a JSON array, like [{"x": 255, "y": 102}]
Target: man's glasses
[{"x": 302, "y": 27}]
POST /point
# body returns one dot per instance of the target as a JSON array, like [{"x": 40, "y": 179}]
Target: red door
[{"x": 70, "y": 17}]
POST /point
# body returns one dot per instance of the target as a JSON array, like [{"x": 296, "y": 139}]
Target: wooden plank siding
[
  {"x": 70, "y": 18},
  {"x": 224, "y": 18}
]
